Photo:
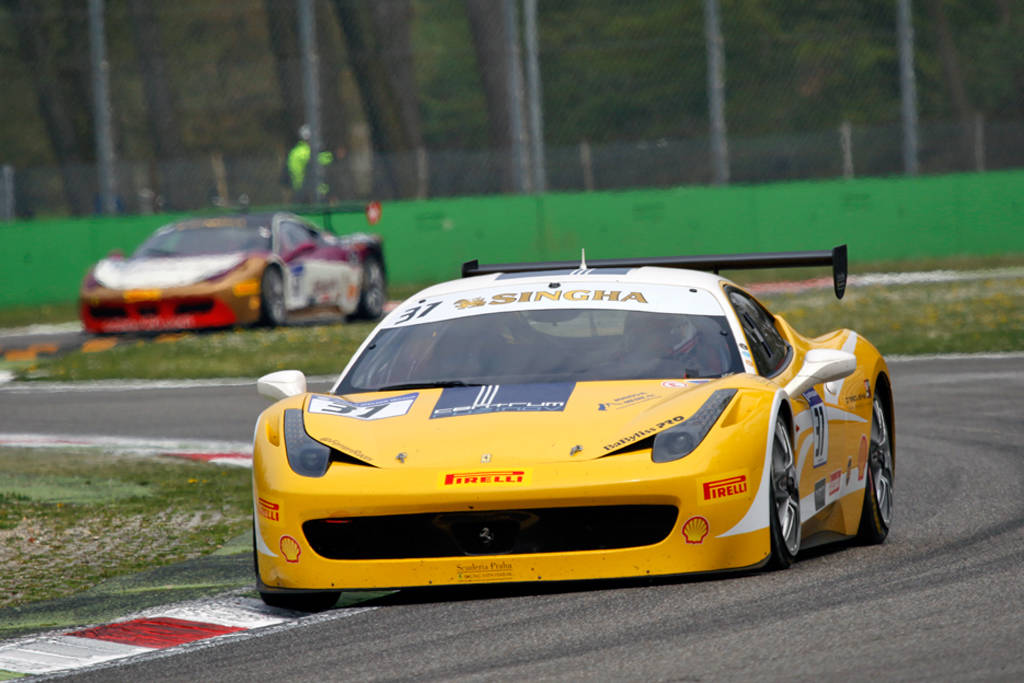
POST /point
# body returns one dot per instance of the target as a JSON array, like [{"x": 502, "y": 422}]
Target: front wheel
[
  {"x": 876, "y": 514},
  {"x": 784, "y": 501}
]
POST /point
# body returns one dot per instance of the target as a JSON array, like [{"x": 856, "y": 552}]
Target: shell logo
[
  {"x": 695, "y": 529},
  {"x": 290, "y": 549},
  {"x": 862, "y": 457}
]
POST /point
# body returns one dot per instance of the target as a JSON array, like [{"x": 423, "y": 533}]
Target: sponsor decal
[
  {"x": 393, "y": 406},
  {"x": 719, "y": 489},
  {"x": 677, "y": 384},
  {"x": 553, "y": 295},
  {"x": 486, "y": 478},
  {"x": 135, "y": 295},
  {"x": 627, "y": 401},
  {"x": 268, "y": 510},
  {"x": 835, "y": 483},
  {"x": 503, "y": 398},
  {"x": 696, "y": 530},
  {"x": 862, "y": 457},
  {"x": 290, "y": 549},
  {"x": 636, "y": 436},
  {"x": 348, "y": 450},
  {"x": 819, "y": 494},
  {"x": 495, "y": 570},
  {"x": 820, "y": 425}
]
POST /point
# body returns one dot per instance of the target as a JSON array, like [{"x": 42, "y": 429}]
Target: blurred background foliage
[{"x": 207, "y": 96}]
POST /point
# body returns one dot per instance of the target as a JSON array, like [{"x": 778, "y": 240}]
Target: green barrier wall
[{"x": 425, "y": 241}]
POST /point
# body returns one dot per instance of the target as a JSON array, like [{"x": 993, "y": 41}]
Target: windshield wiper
[{"x": 428, "y": 385}]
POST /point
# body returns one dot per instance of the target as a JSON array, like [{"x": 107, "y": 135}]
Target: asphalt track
[{"x": 942, "y": 599}]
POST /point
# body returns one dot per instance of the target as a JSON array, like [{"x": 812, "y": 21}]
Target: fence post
[
  {"x": 101, "y": 108},
  {"x": 716, "y": 93},
  {"x": 7, "y": 192},
  {"x": 846, "y": 145},
  {"x": 908, "y": 89},
  {"x": 979, "y": 141}
]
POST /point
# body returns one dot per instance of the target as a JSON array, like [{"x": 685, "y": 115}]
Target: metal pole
[
  {"x": 7, "y": 192},
  {"x": 846, "y": 147},
  {"x": 716, "y": 93},
  {"x": 101, "y": 109},
  {"x": 514, "y": 76},
  {"x": 908, "y": 89},
  {"x": 311, "y": 93},
  {"x": 979, "y": 141},
  {"x": 533, "y": 85}
]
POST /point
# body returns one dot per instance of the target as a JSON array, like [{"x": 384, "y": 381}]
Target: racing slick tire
[
  {"x": 272, "y": 307},
  {"x": 373, "y": 293},
  {"x": 783, "y": 501},
  {"x": 876, "y": 514}
]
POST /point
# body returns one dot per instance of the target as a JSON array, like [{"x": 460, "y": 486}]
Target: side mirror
[
  {"x": 821, "y": 365},
  {"x": 281, "y": 384}
]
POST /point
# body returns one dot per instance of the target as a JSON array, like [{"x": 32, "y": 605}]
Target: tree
[{"x": 57, "y": 103}]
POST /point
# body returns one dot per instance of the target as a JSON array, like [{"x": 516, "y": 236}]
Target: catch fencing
[{"x": 447, "y": 98}]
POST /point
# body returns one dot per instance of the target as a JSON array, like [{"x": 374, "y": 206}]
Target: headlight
[
  {"x": 677, "y": 442},
  {"x": 306, "y": 456}
]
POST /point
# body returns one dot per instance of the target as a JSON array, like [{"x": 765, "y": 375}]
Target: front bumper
[{"x": 688, "y": 529}]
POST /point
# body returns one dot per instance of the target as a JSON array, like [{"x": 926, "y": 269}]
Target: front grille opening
[
  {"x": 106, "y": 312},
  {"x": 501, "y": 532},
  {"x": 193, "y": 307},
  {"x": 147, "y": 310}
]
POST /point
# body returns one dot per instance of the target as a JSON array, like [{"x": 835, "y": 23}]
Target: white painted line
[
  {"x": 57, "y": 653},
  {"x": 39, "y": 329},
  {"x": 125, "y": 444},
  {"x": 43, "y": 387}
]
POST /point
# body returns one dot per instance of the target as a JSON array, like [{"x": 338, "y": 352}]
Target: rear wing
[{"x": 784, "y": 259}]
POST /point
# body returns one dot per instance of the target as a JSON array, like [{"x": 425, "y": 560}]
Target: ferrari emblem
[{"x": 485, "y": 458}]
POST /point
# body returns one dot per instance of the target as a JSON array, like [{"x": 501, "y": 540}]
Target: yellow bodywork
[{"x": 579, "y": 456}]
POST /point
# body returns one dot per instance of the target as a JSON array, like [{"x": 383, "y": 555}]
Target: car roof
[{"x": 239, "y": 220}]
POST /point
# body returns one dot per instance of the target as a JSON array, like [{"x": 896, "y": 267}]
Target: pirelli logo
[
  {"x": 490, "y": 478},
  {"x": 724, "y": 488}
]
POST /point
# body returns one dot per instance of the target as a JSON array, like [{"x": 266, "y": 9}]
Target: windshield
[
  {"x": 546, "y": 346},
  {"x": 197, "y": 241}
]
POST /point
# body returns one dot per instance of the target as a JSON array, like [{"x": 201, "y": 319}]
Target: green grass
[
  {"x": 975, "y": 315},
  {"x": 102, "y": 516}
]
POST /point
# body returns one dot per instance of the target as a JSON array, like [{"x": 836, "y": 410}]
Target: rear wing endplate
[{"x": 784, "y": 259}]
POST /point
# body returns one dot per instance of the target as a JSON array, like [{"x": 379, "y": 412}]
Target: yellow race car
[{"x": 565, "y": 421}]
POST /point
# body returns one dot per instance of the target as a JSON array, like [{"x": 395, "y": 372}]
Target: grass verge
[
  {"x": 70, "y": 519},
  {"x": 975, "y": 315}
]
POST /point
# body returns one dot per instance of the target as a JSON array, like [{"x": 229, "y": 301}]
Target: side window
[
  {"x": 769, "y": 349},
  {"x": 291, "y": 235}
]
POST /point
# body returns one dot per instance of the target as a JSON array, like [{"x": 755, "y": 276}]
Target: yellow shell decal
[
  {"x": 290, "y": 549},
  {"x": 695, "y": 529}
]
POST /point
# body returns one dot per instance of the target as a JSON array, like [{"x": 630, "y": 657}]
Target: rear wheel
[
  {"x": 784, "y": 501},
  {"x": 876, "y": 513},
  {"x": 373, "y": 293},
  {"x": 272, "y": 308}
]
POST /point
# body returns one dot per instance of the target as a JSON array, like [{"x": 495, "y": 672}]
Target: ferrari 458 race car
[
  {"x": 558, "y": 421},
  {"x": 234, "y": 270}
]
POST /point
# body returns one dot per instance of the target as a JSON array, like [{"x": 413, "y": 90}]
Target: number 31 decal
[{"x": 820, "y": 425}]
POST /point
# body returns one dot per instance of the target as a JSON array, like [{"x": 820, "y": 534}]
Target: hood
[
  {"x": 164, "y": 272},
  {"x": 524, "y": 424}
]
